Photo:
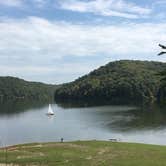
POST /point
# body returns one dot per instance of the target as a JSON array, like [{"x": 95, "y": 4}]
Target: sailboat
[{"x": 50, "y": 111}]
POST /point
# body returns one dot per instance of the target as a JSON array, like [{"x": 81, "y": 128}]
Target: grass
[{"x": 81, "y": 153}]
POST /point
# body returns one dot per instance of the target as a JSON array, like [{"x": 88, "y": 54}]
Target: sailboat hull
[{"x": 49, "y": 113}]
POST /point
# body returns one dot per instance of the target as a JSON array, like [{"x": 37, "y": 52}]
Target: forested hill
[
  {"x": 15, "y": 88},
  {"x": 122, "y": 81}
]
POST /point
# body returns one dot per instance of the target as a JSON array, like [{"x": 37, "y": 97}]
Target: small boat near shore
[{"x": 50, "y": 111}]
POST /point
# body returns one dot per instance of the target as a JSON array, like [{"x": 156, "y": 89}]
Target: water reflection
[
  {"x": 11, "y": 107},
  {"x": 125, "y": 118},
  {"x": 151, "y": 117},
  {"x": 26, "y": 121},
  {"x": 80, "y": 104}
]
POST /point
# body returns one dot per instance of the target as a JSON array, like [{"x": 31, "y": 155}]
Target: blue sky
[{"x": 56, "y": 41}]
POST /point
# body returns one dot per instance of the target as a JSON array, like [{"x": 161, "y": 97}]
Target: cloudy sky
[{"x": 56, "y": 41}]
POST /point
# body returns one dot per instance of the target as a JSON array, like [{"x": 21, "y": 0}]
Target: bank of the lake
[{"x": 82, "y": 153}]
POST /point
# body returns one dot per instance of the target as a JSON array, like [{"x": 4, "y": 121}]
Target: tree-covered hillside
[
  {"x": 15, "y": 88},
  {"x": 117, "y": 82}
]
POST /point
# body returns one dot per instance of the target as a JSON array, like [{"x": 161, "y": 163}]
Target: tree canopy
[
  {"x": 122, "y": 81},
  {"x": 15, "y": 88}
]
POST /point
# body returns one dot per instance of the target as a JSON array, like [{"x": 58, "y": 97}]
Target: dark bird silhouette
[
  {"x": 162, "y": 52},
  {"x": 162, "y": 46}
]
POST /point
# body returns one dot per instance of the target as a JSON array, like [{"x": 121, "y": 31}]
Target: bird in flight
[{"x": 163, "y": 47}]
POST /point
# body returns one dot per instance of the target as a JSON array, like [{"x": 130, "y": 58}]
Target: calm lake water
[{"x": 24, "y": 122}]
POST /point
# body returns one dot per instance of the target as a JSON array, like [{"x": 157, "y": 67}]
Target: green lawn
[{"x": 84, "y": 153}]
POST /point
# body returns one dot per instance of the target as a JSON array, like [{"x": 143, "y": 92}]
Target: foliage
[
  {"x": 161, "y": 97},
  {"x": 15, "y": 88},
  {"x": 117, "y": 82}
]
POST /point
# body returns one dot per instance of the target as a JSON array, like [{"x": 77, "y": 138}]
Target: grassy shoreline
[{"x": 95, "y": 153}]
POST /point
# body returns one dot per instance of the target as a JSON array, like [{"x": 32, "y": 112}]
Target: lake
[{"x": 25, "y": 122}]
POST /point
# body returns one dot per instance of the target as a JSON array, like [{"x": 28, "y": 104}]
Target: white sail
[{"x": 50, "y": 111}]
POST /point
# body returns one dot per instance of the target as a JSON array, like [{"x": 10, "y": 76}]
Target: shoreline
[
  {"x": 77, "y": 141},
  {"x": 83, "y": 153},
  {"x": 117, "y": 140}
]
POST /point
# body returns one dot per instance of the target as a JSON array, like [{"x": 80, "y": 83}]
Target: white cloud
[
  {"x": 12, "y": 3},
  {"x": 60, "y": 69},
  {"x": 36, "y": 36},
  {"x": 119, "y": 8},
  {"x": 40, "y": 3},
  {"x": 25, "y": 3},
  {"x": 59, "y": 73},
  {"x": 35, "y": 45}
]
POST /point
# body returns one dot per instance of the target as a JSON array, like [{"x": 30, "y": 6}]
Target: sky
[{"x": 57, "y": 41}]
